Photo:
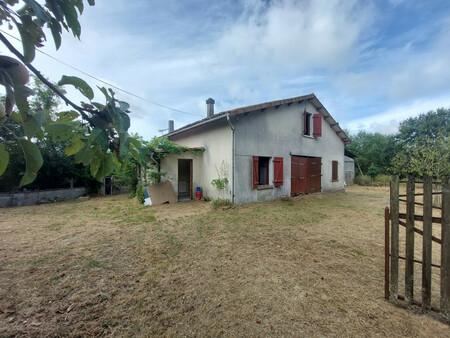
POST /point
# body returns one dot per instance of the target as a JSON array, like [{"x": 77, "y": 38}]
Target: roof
[{"x": 263, "y": 106}]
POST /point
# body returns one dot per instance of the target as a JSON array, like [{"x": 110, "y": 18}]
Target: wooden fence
[{"x": 394, "y": 218}]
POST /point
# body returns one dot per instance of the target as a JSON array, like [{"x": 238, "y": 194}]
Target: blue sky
[{"x": 371, "y": 63}]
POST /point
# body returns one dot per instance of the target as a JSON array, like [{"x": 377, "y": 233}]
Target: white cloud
[
  {"x": 298, "y": 35},
  {"x": 387, "y": 121}
]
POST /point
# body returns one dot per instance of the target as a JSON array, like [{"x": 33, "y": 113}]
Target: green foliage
[
  {"x": 103, "y": 143},
  {"x": 157, "y": 149},
  {"x": 221, "y": 182},
  {"x": 373, "y": 171},
  {"x": 383, "y": 180},
  {"x": 372, "y": 149},
  {"x": 221, "y": 203},
  {"x": 424, "y": 157},
  {"x": 420, "y": 147},
  {"x": 140, "y": 193},
  {"x": 363, "y": 180},
  {"x": 431, "y": 125},
  {"x": 424, "y": 143}
]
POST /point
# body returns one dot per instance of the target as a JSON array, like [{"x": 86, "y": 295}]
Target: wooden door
[
  {"x": 299, "y": 175},
  {"x": 314, "y": 175}
]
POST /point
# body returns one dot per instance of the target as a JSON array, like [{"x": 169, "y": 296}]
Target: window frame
[
  {"x": 307, "y": 123},
  {"x": 334, "y": 171}
]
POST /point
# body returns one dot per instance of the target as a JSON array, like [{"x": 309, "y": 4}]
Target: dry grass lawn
[{"x": 108, "y": 266}]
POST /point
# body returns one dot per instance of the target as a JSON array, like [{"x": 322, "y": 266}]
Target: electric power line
[{"x": 102, "y": 81}]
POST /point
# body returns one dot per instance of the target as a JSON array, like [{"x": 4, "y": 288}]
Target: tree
[
  {"x": 104, "y": 143},
  {"x": 372, "y": 150},
  {"x": 58, "y": 170},
  {"x": 424, "y": 145}
]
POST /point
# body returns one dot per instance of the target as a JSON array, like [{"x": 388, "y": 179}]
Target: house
[
  {"x": 266, "y": 151},
  {"x": 349, "y": 167}
]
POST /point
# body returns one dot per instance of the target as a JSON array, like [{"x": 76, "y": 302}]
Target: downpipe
[{"x": 232, "y": 157}]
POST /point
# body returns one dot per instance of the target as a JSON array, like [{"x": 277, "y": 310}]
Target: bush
[
  {"x": 383, "y": 180},
  {"x": 363, "y": 180},
  {"x": 221, "y": 203},
  {"x": 132, "y": 194},
  {"x": 140, "y": 193}
]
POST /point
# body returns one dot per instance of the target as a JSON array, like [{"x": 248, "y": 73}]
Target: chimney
[
  {"x": 209, "y": 108},
  {"x": 171, "y": 126}
]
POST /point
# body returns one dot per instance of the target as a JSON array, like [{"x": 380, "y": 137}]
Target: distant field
[{"x": 312, "y": 266}]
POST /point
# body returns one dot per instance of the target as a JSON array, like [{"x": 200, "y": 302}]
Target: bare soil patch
[{"x": 312, "y": 266}]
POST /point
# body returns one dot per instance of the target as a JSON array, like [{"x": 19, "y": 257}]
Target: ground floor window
[
  {"x": 334, "y": 170},
  {"x": 261, "y": 171}
]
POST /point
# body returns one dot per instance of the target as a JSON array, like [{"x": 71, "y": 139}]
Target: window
[
  {"x": 307, "y": 123},
  {"x": 261, "y": 171},
  {"x": 316, "y": 124},
  {"x": 334, "y": 170}
]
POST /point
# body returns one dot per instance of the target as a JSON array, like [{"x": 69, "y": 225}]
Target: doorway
[
  {"x": 306, "y": 175},
  {"x": 184, "y": 180}
]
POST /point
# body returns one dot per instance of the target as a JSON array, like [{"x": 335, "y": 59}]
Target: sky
[{"x": 372, "y": 63}]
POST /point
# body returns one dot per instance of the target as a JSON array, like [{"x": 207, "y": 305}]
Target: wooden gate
[
  {"x": 402, "y": 245},
  {"x": 306, "y": 174}
]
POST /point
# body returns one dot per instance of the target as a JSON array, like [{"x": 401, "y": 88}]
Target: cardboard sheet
[{"x": 162, "y": 192}]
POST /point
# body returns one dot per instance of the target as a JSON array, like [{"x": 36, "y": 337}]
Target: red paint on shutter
[
  {"x": 255, "y": 172},
  {"x": 278, "y": 171},
  {"x": 334, "y": 170},
  {"x": 317, "y": 132}
]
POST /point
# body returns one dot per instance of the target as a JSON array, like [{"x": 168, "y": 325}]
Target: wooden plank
[
  {"x": 420, "y": 218},
  {"x": 427, "y": 242},
  {"x": 420, "y": 232},
  {"x": 418, "y": 203},
  {"x": 393, "y": 285},
  {"x": 409, "y": 262},
  {"x": 445, "y": 250},
  {"x": 434, "y": 193},
  {"x": 420, "y": 262},
  {"x": 386, "y": 252}
]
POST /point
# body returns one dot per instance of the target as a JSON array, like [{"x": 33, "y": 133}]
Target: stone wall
[{"x": 39, "y": 197}]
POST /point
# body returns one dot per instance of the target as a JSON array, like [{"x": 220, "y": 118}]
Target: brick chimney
[{"x": 209, "y": 108}]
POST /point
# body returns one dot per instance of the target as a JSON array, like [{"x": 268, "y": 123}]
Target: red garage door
[{"x": 306, "y": 175}]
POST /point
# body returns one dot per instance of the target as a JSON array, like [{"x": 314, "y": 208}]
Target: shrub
[
  {"x": 132, "y": 194},
  {"x": 373, "y": 171},
  {"x": 383, "y": 179},
  {"x": 206, "y": 199},
  {"x": 363, "y": 180},
  {"x": 140, "y": 193},
  {"x": 221, "y": 203}
]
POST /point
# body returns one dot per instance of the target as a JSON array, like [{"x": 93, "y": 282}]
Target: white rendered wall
[
  {"x": 279, "y": 133},
  {"x": 215, "y": 137}
]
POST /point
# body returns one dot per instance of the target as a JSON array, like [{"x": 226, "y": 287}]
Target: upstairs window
[
  {"x": 312, "y": 124},
  {"x": 334, "y": 170},
  {"x": 307, "y": 123}
]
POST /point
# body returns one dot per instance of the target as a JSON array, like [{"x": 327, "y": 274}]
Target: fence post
[
  {"x": 445, "y": 249},
  {"x": 386, "y": 252},
  {"x": 393, "y": 292},
  {"x": 426, "y": 244},
  {"x": 409, "y": 261}
]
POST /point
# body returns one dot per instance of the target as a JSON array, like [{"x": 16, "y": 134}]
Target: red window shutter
[
  {"x": 255, "y": 172},
  {"x": 278, "y": 171},
  {"x": 317, "y": 132},
  {"x": 334, "y": 170}
]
